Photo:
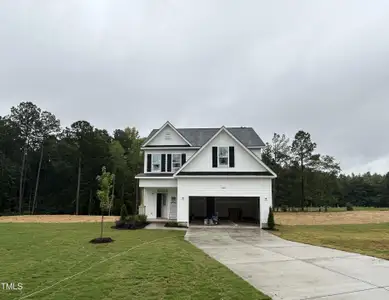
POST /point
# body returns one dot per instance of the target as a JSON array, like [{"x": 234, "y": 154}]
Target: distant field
[
  {"x": 331, "y": 218},
  {"x": 340, "y": 209},
  {"x": 368, "y": 239},
  {"x": 55, "y": 219}
]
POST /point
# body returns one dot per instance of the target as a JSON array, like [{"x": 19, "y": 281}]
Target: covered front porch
[{"x": 159, "y": 204}]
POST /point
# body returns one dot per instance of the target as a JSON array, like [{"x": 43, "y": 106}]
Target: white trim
[
  {"x": 160, "y": 129},
  {"x": 149, "y": 177},
  {"x": 236, "y": 140},
  {"x": 256, "y": 147},
  {"x": 169, "y": 148},
  {"x": 223, "y": 176}
]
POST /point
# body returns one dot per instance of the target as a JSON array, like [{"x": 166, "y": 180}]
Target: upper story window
[
  {"x": 223, "y": 156},
  {"x": 176, "y": 162},
  {"x": 156, "y": 163}
]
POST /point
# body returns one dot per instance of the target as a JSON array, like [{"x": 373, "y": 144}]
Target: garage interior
[{"x": 228, "y": 209}]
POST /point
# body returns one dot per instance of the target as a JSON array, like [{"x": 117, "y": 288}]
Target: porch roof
[{"x": 145, "y": 175}]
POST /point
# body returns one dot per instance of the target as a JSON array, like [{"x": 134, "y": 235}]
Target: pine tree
[{"x": 123, "y": 213}]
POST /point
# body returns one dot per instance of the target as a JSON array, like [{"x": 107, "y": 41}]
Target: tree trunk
[
  {"x": 90, "y": 202},
  {"x": 78, "y": 185},
  {"x": 122, "y": 195},
  {"x": 37, "y": 181},
  {"x": 112, "y": 196},
  {"x": 102, "y": 225},
  {"x": 21, "y": 181},
  {"x": 29, "y": 204},
  {"x": 302, "y": 186}
]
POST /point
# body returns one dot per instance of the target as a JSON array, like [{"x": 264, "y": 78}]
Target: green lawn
[
  {"x": 368, "y": 239},
  {"x": 141, "y": 264}
]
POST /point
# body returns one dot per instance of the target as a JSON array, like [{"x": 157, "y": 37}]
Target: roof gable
[
  {"x": 245, "y": 160},
  {"x": 167, "y": 135},
  {"x": 200, "y": 136}
]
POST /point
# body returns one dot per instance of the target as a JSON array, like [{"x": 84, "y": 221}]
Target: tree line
[
  {"x": 307, "y": 178},
  {"x": 45, "y": 168}
]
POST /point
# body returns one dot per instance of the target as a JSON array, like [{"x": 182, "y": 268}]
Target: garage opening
[{"x": 229, "y": 209}]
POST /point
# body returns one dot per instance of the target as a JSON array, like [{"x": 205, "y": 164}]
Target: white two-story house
[{"x": 195, "y": 173}]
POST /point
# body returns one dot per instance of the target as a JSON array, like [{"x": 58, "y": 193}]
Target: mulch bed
[
  {"x": 130, "y": 226},
  {"x": 101, "y": 240}
]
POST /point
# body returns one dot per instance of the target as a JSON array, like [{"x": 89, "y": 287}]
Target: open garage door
[{"x": 235, "y": 209}]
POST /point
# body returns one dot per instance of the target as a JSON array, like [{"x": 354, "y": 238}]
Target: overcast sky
[{"x": 278, "y": 66}]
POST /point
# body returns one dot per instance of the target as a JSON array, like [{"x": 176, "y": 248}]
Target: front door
[
  {"x": 159, "y": 205},
  {"x": 210, "y": 206}
]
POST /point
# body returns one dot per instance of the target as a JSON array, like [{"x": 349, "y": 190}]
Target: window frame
[
  {"x": 152, "y": 163},
  {"x": 227, "y": 157},
  {"x": 180, "y": 162}
]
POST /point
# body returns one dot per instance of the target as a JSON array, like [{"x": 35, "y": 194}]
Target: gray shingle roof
[{"x": 199, "y": 136}]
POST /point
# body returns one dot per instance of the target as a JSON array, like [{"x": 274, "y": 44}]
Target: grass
[
  {"x": 159, "y": 264},
  {"x": 331, "y": 218},
  {"x": 368, "y": 239}
]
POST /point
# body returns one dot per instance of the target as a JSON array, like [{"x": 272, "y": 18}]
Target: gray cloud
[{"x": 279, "y": 66}]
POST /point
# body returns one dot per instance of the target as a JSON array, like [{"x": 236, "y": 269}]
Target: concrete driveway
[{"x": 290, "y": 270}]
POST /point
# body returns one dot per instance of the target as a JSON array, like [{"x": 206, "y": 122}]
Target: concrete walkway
[
  {"x": 162, "y": 226},
  {"x": 290, "y": 270}
]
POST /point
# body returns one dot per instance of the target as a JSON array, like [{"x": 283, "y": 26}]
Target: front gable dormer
[
  {"x": 224, "y": 153},
  {"x": 167, "y": 135}
]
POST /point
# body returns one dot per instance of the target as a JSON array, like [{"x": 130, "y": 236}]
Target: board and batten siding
[
  {"x": 188, "y": 152},
  {"x": 243, "y": 160},
  {"x": 219, "y": 187},
  {"x": 167, "y": 136}
]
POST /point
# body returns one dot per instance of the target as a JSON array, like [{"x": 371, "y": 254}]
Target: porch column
[{"x": 142, "y": 208}]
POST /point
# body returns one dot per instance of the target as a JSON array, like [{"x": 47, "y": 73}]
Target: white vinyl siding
[
  {"x": 244, "y": 162},
  {"x": 167, "y": 136},
  {"x": 188, "y": 152},
  {"x": 257, "y": 152}
]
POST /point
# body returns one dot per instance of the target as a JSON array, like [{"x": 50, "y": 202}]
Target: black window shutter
[
  {"x": 163, "y": 163},
  {"x": 232, "y": 157},
  {"x": 214, "y": 157},
  {"x": 148, "y": 162},
  {"x": 183, "y": 158},
  {"x": 169, "y": 163}
]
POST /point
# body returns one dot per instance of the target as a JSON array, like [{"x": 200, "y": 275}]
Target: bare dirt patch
[
  {"x": 331, "y": 218},
  {"x": 55, "y": 219}
]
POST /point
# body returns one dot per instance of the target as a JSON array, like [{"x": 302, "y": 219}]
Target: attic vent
[{"x": 168, "y": 136}]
